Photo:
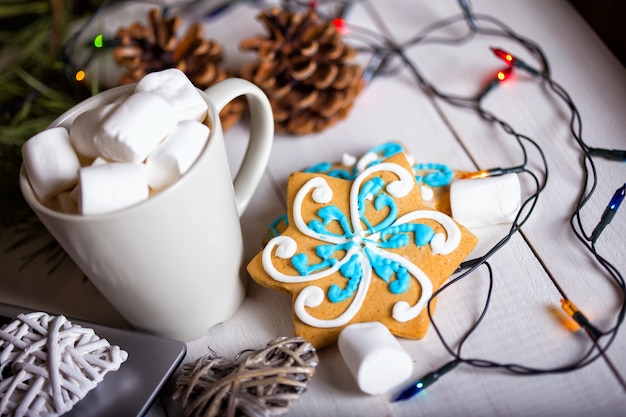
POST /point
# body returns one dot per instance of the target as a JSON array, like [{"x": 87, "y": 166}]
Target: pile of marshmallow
[{"x": 120, "y": 154}]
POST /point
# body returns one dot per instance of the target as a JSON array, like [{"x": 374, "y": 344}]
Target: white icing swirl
[
  {"x": 439, "y": 244},
  {"x": 403, "y": 311},
  {"x": 398, "y": 188},
  {"x": 322, "y": 193},
  {"x": 314, "y": 296}
]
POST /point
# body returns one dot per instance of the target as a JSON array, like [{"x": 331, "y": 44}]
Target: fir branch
[
  {"x": 33, "y": 233},
  {"x": 16, "y": 8},
  {"x": 34, "y": 91}
]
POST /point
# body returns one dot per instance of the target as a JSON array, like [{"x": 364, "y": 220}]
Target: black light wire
[
  {"x": 474, "y": 103},
  {"x": 377, "y": 43},
  {"x": 391, "y": 49},
  {"x": 588, "y": 167}
]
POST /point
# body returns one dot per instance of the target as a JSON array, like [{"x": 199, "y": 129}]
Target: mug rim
[{"x": 33, "y": 201}]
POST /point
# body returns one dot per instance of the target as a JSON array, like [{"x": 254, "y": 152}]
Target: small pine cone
[
  {"x": 304, "y": 68},
  {"x": 155, "y": 47}
]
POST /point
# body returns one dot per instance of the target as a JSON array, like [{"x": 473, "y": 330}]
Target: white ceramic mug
[{"x": 172, "y": 265}]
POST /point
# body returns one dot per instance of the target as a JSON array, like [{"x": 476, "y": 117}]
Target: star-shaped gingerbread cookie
[{"x": 361, "y": 250}]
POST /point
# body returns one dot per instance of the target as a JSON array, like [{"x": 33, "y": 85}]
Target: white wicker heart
[{"x": 48, "y": 364}]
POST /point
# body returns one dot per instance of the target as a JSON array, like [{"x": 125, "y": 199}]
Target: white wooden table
[{"x": 524, "y": 323}]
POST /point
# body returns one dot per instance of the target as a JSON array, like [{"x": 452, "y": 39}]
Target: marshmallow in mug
[
  {"x": 135, "y": 127},
  {"x": 125, "y": 131},
  {"x": 65, "y": 201},
  {"x": 109, "y": 187},
  {"x": 175, "y": 155},
  {"x": 174, "y": 86},
  {"x": 374, "y": 357},
  {"x": 51, "y": 163},
  {"x": 84, "y": 128}
]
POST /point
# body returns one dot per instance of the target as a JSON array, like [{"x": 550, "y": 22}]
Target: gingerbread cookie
[
  {"x": 434, "y": 179},
  {"x": 361, "y": 250}
]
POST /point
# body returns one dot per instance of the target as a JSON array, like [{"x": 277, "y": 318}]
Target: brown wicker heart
[{"x": 259, "y": 383}]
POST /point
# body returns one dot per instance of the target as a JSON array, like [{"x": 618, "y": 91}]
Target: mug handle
[{"x": 261, "y": 134}]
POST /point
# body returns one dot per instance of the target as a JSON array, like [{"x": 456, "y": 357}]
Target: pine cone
[
  {"x": 303, "y": 67},
  {"x": 155, "y": 47}
]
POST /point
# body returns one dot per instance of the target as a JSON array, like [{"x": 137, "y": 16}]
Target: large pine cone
[
  {"x": 304, "y": 68},
  {"x": 155, "y": 47}
]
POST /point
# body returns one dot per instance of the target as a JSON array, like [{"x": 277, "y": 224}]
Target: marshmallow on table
[
  {"x": 173, "y": 157},
  {"x": 108, "y": 187},
  {"x": 485, "y": 201},
  {"x": 135, "y": 127},
  {"x": 84, "y": 127},
  {"x": 51, "y": 163},
  {"x": 374, "y": 357},
  {"x": 174, "y": 86}
]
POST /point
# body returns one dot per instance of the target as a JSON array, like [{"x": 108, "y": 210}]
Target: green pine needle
[{"x": 34, "y": 91}]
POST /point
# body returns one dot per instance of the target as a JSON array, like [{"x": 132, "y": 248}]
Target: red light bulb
[
  {"x": 503, "y": 55},
  {"x": 340, "y": 25},
  {"x": 504, "y": 74},
  {"x": 516, "y": 62},
  {"x": 497, "y": 79}
]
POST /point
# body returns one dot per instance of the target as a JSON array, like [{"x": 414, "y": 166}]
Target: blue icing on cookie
[{"x": 440, "y": 175}]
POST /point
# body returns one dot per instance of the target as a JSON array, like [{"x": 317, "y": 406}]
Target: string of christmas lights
[
  {"x": 383, "y": 48},
  {"x": 388, "y": 58}
]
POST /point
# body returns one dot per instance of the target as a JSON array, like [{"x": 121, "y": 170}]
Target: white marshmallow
[
  {"x": 108, "y": 187},
  {"x": 64, "y": 203},
  {"x": 135, "y": 127},
  {"x": 174, "y": 86},
  {"x": 485, "y": 201},
  {"x": 374, "y": 357},
  {"x": 50, "y": 162},
  {"x": 99, "y": 161},
  {"x": 85, "y": 126},
  {"x": 173, "y": 157},
  {"x": 75, "y": 194}
]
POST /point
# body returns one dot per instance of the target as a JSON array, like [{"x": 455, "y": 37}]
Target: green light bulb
[{"x": 98, "y": 41}]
